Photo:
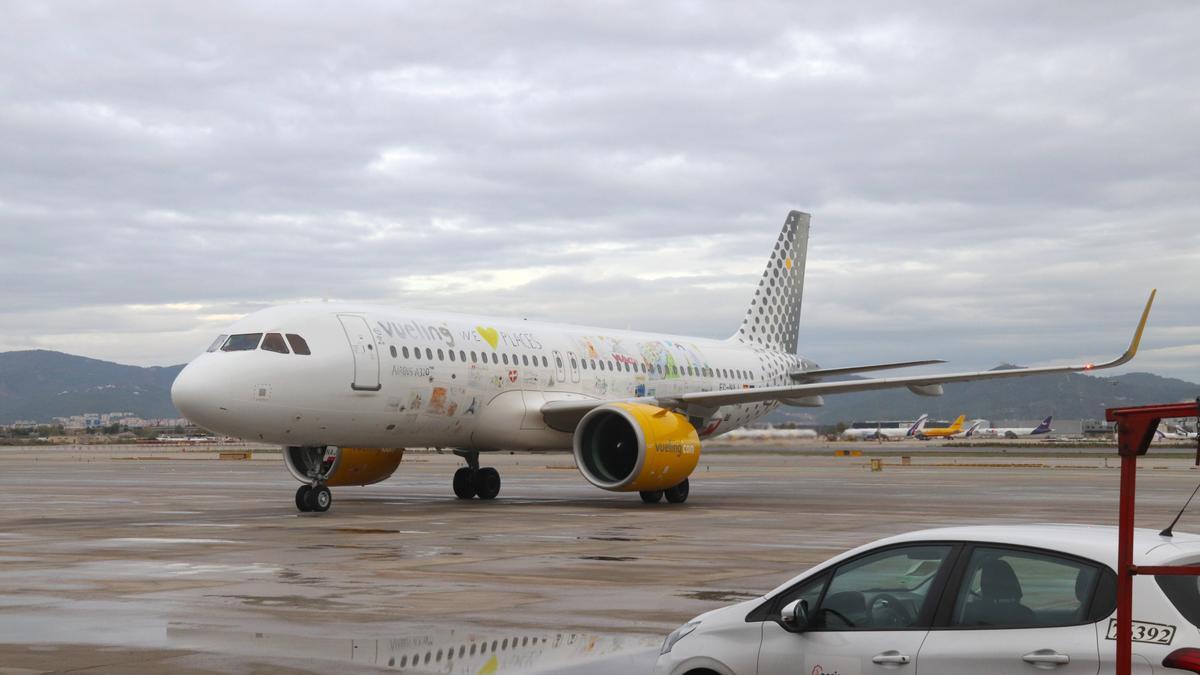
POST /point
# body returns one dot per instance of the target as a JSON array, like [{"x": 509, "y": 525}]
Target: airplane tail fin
[
  {"x": 917, "y": 426},
  {"x": 1044, "y": 427},
  {"x": 958, "y": 422},
  {"x": 773, "y": 319},
  {"x": 972, "y": 428}
]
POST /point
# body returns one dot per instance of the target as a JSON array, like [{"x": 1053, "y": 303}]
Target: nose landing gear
[
  {"x": 473, "y": 481},
  {"x": 314, "y": 498}
]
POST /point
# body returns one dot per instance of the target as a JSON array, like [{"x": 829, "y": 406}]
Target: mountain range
[{"x": 40, "y": 385}]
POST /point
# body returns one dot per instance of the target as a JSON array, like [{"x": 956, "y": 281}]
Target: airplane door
[
  {"x": 362, "y": 346},
  {"x": 574, "y": 364},
  {"x": 559, "y": 368}
]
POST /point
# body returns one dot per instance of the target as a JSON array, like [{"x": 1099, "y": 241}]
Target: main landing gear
[
  {"x": 473, "y": 481},
  {"x": 675, "y": 495},
  {"x": 314, "y": 498}
]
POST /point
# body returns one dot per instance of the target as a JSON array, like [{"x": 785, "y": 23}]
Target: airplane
[
  {"x": 973, "y": 428},
  {"x": 954, "y": 429},
  {"x": 1014, "y": 432},
  {"x": 344, "y": 387},
  {"x": 880, "y": 431},
  {"x": 1174, "y": 433},
  {"x": 769, "y": 433}
]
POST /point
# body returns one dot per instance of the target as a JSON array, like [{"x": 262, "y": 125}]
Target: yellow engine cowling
[
  {"x": 628, "y": 447},
  {"x": 342, "y": 466}
]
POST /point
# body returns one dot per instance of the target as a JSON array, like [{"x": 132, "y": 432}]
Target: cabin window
[
  {"x": 574, "y": 365},
  {"x": 393, "y": 350},
  {"x": 217, "y": 343},
  {"x": 505, "y": 358},
  {"x": 243, "y": 342},
  {"x": 273, "y": 342},
  {"x": 404, "y": 351},
  {"x": 462, "y": 356},
  {"x": 299, "y": 345},
  {"x": 441, "y": 355},
  {"x": 451, "y": 354},
  {"x": 495, "y": 359},
  {"x": 525, "y": 359},
  {"x": 558, "y": 361},
  {"x": 428, "y": 354},
  {"x": 545, "y": 362},
  {"x": 474, "y": 357}
]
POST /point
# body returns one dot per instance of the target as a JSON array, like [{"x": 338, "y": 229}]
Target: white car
[{"x": 994, "y": 599}]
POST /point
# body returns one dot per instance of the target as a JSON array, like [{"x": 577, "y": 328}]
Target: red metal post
[
  {"x": 1125, "y": 563},
  {"x": 1135, "y": 430}
]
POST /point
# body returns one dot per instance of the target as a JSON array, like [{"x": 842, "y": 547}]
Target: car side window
[
  {"x": 1009, "y": 588},
  {"x": 881, "y": 591}
]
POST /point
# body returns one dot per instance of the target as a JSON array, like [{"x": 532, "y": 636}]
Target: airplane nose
[{"x": 192, "y": 398}]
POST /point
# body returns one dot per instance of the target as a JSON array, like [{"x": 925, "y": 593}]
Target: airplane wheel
[
  {"x": 487, "y": 483},
  {"x": 651, "y": 496},
  {"x": 320, "y": 499},
  {"x": 677, "y": 494},
  {"x": 464, "y": 486},
  {"x": 302, "y": 498}
]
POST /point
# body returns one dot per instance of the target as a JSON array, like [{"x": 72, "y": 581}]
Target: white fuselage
[{"x": 393, "y": 377}]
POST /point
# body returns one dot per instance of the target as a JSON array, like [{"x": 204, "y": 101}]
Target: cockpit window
[
  {"x": 273, "y": 342},
  {"x": 241, "y": 343},
  {"x": 217, "y": 343},
  {"x": 299, "y": 346}
]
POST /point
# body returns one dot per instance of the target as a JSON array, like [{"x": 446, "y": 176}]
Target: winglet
[{"x": 1133, "y": 344}]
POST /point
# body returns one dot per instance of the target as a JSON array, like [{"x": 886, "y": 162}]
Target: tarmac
[{"x": 147, "y": 559}]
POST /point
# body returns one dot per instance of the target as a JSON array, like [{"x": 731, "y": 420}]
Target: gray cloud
[{"x": 988, "y": 182}]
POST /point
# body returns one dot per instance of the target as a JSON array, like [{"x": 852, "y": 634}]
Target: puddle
[
  {"x": 168, "y": 540},
  {"x": 719, "y": 596}
]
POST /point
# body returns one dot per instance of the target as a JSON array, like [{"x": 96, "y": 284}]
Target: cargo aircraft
[
  {"x": 1015, "y": 432},
  {"x": 345, "y": 387},
  {"x": 955, "y": 428}
]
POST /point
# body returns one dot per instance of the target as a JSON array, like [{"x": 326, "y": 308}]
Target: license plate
[{"x": 1144, "y": 631}]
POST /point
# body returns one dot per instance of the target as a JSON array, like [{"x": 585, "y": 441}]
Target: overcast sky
[{"x": 988, "y": 181}]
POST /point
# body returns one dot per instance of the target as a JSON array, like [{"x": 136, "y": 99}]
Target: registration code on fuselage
[{"x": 1144, "y": 631}]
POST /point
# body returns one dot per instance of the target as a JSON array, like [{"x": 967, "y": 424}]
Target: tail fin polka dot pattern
[{"x": 773, "y": 320}]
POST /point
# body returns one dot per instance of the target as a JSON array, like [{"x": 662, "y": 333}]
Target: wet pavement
[{"x": 128, "y": 559}]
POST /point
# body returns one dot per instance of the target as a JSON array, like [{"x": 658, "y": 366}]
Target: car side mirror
[{"x": 794, "y": 616}]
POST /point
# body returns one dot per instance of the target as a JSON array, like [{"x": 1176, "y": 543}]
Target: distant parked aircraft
[
  {"x": 954, "y": 429},
  {"x": 769, "y": 433},
  {"x": 876, "y": 430},
  {"x": 1014, "y": 432}
]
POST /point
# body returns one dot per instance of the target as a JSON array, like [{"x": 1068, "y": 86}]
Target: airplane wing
[
  {"x": 813, "y": 374},
  {"x": 565, "y": 415}
]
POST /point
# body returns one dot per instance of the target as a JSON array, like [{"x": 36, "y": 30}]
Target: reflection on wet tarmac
[{"x": 445, "y": 651}]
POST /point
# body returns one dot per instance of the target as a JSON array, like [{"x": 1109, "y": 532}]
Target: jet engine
[
  {"x": 627, "y": 447},
  {"x": 336, "y": 466}
]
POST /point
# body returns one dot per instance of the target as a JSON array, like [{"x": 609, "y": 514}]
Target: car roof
[
  {"x": 1094, "y": 542},
  {"x": 1097, "y": 542}
]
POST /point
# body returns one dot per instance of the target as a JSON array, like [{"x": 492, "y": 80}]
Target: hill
[
  {"x": 40, "y": 385},
  {"x": 1066, "y": 396}
]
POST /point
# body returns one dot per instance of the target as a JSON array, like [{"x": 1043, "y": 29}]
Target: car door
[
  {"x": 1015, "y": 610},
  {"x": 867, "y": 615}
]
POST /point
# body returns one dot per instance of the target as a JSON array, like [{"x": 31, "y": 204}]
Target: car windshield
[{"x": 1184, "y": 593}]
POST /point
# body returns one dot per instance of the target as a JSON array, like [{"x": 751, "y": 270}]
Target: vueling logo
[{"x": 676, "y": 447}]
